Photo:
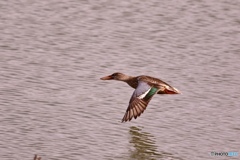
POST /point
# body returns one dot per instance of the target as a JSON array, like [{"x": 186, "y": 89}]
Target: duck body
[{"x": 145, "y": 88}]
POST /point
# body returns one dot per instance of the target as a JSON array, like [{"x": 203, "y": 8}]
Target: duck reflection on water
[{"x": 145, "y": 146}]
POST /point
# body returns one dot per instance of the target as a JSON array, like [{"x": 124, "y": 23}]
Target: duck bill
[{"x": 107, "y": 78}]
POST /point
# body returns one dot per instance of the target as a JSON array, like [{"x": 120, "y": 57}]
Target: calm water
[{"x": 52, "y": 103}]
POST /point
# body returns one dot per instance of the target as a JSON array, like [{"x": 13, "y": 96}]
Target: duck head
[{"x": 116, "y": 76}]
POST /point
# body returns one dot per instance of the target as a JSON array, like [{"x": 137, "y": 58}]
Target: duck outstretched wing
[{"x": 139, "y": 100}]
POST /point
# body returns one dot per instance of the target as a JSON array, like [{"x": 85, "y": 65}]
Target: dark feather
[{"x": 139, "y": 100}]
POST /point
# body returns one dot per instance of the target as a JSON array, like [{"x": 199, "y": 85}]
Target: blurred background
[{"x": 52, "y": 102}]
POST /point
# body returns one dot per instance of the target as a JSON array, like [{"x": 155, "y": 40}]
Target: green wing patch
[{"x": 150, "y": 93}]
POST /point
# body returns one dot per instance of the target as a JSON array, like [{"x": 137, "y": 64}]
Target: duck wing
[
  {"x": 139, "y": 100},
  {"x": 164, "y": 88}
]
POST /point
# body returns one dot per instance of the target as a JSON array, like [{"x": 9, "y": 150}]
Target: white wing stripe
[{"x": 144, "y": 94}]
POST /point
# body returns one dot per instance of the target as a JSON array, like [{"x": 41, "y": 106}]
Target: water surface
[{"x": 52, "y": 54}]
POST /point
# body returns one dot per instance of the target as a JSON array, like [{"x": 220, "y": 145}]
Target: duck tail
[{"x": 171, "y": 90}]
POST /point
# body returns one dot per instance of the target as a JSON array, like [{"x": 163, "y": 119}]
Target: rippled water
[{"x": 52, "y": 102}]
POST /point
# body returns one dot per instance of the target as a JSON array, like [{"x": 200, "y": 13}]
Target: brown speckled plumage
[{"x": 145, "y": 87}]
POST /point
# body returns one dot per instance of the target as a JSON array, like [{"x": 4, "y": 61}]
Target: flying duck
[{"x": 145, "y": 88}]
